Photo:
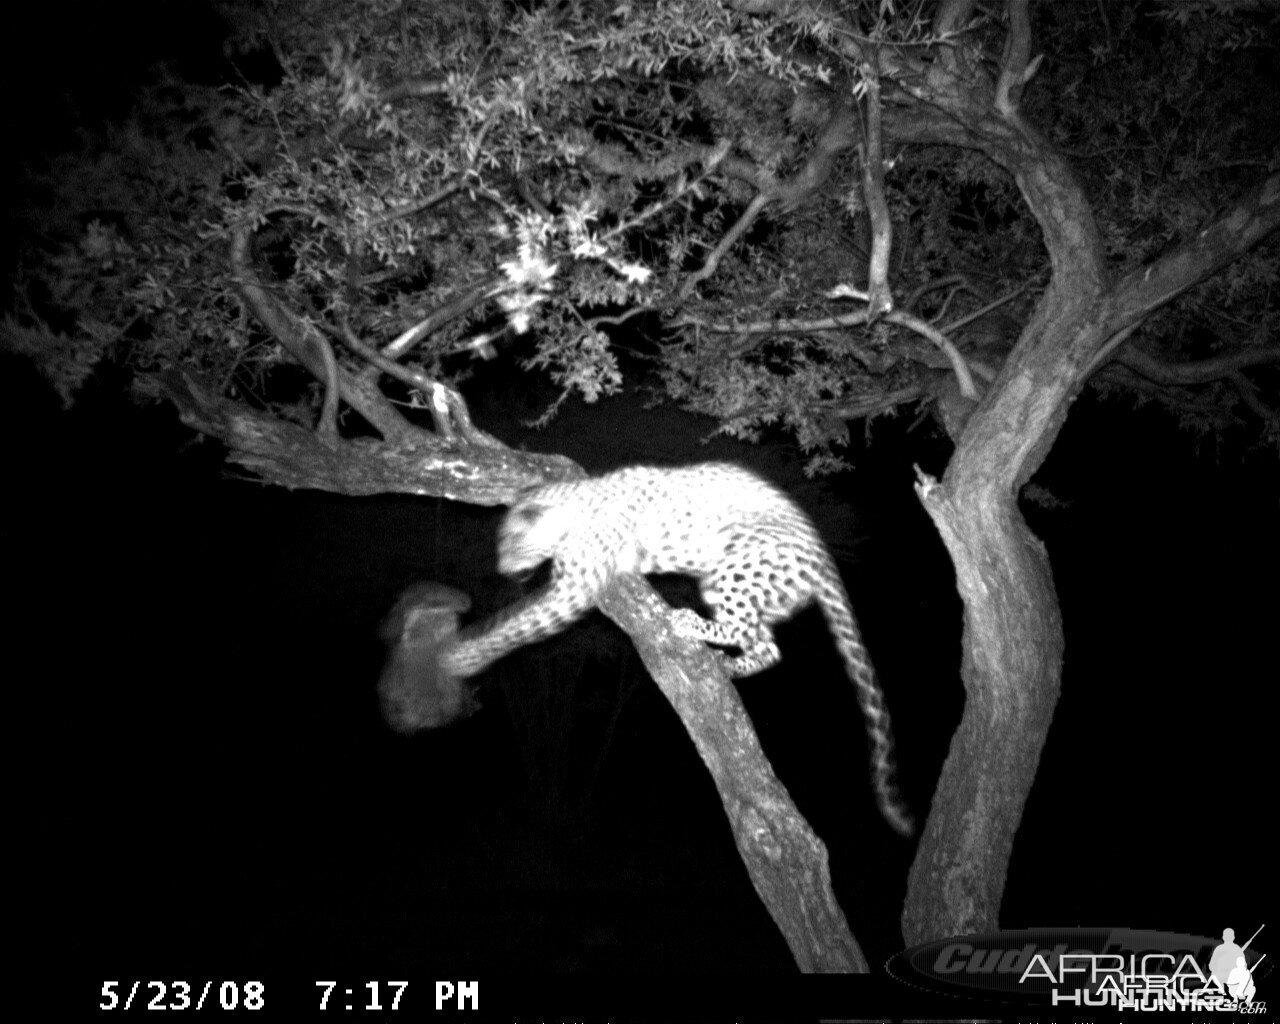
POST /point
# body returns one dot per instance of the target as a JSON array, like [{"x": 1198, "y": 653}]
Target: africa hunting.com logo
[{"x": 1118, "y": 968}]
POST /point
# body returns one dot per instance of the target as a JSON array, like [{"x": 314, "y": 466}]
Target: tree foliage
[{"x": 524, "y": 179}]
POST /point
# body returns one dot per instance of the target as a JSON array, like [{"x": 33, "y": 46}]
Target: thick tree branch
[
  {"x": 362, "y": 395},
  {"x": 768, "y": 328},
  {"x": 415, "y": 462},
  {"x": 958, "y": 365},
  {"x": 1002, "y": 572},
  {"x": 786, "y": 861},
  {"x": 879, "y": 292},
  {"x": 840, "y": 134},
  {"x": 1148, "y": 288},
  {"x": 1199, "y": 371},
  {"x": 616, "y": 161},
  {"x": 1015, "y": 66}
]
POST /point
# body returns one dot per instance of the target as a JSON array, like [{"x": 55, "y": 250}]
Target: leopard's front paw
[{"x": 688, "y": 624}]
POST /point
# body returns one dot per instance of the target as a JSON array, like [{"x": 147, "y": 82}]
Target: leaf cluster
[{"x": 547, "y": 169}]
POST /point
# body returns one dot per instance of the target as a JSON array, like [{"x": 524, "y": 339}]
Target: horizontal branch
[
  {"x": 416, "y": 462},
  {"x": 1199, "y": 371},
  {"x": 843, "y": 320},
  {"x": 1146, "y": 289}
]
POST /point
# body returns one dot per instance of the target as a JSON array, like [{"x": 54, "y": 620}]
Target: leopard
[{"x": 756, "y": 556}]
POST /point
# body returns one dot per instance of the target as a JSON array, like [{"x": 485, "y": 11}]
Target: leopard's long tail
[{"x": 834, "y": 602}]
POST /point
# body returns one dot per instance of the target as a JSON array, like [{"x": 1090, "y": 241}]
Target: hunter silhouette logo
[{"x": 1229, "y": 971}]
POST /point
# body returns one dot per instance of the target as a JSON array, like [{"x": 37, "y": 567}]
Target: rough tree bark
[
  {"x": 1013, "y": 643},
  {"x": 786, "y": 860}
]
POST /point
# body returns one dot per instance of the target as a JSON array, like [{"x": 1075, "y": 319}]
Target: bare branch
[
  {"x": 1200, "y": 371},
  {"x": 448, "y": 407},
  {"x": 412, "y": 88},
  {"x": 726, "y": 243},
  {"x": 327, "y": 426},
  {"x": 460, "y": 306},
  {"x": 301, "y": 342},
  {"x": 1242, "y": 226},
  {"x": 871, "y": 405},
  {"x": 713, "y": 160},
  {"x": 621, "y": 318},
  {"x": 409, "y": 209},
  {"x": 933, "y": 285},
  {"x": 1014, "y": 70},
  {"x": 880, "y": 298},
  {"x": 862, "y": 316},
  {"x": 996, "y": 303},
  {"x": 951, "y": 16},
  {"x": 615, "y": 160},
  {"x": 944, "y": 345},
  {"x": 417, "y": 462},
  {"x": 1249, "y": 395},
  {"x": 826, "y": 323},
  {"x": 839, "y": 134}
]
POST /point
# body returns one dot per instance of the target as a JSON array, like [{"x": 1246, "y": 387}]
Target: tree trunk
[
  {"x": 787, "y": 862},
  {"x": 1012, "y": 672},
  {"x": 1013, "y": 642}
]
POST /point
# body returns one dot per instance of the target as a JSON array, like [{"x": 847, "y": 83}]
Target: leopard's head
[{"x": 533, "y": 530}]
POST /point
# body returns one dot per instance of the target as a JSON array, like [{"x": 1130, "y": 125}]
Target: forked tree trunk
[
  {"x": 1012, "y": 673},
  {"x": 1013, "y": 645},
  {"x": 1013, "y": 642}
]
